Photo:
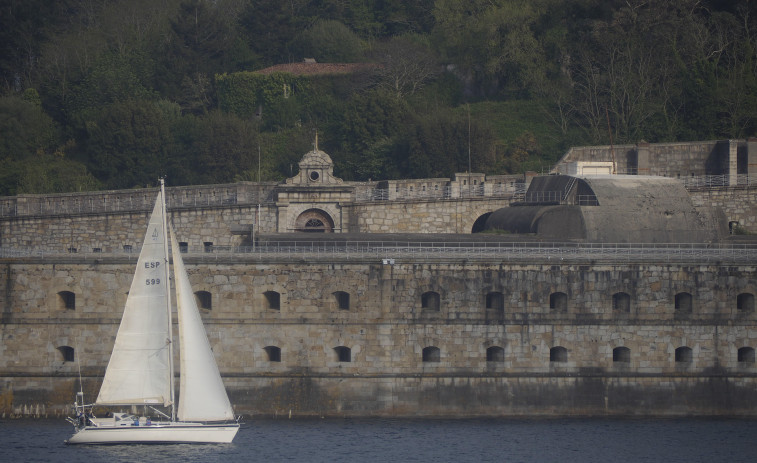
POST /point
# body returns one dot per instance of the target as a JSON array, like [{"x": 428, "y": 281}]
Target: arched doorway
[{"x": 314, "y": 221}]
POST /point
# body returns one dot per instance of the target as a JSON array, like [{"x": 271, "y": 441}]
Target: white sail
[
  {"x": 202, "y": 395},
  {"x": 139, "y": 371}
]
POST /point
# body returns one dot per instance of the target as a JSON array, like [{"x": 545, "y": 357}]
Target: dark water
[{"x": 402, "y": 440}]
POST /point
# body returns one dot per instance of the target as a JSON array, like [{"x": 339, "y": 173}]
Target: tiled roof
[{"x": 314, "y": 69}]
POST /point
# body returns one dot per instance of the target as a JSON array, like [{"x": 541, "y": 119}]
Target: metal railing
[
  {"x": 554, "y": 252},
  {"x": 718, "y": 181},
  {"x": 417, "y": 192}
]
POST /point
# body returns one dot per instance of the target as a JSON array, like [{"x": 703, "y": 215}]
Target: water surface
[{"x": 416, "y": 440}]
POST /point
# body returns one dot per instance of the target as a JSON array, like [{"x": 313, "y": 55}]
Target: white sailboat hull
[{"x": 168, "y": 433}]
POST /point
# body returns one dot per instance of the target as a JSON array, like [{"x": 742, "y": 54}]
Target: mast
[{"x": 168, "y": 298}]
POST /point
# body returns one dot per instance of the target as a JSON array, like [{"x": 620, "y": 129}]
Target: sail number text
[{"x": 152, "y": 265}]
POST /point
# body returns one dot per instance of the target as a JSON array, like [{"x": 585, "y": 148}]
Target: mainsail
[
  {"x": 202, "y": 395},
  {"x": 139, "y": 371}
]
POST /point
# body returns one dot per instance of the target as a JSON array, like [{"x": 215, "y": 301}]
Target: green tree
[
  {"x": 203, "y": 40},
  {"x": 492, "y": 41},
  {"x": 329, "y": 41},
  {"x": 126, "y": 143},
  {"x": 443, "y": 143},
  {"x": 25, "y": 129},
  {"x": 212, "y": 148}
]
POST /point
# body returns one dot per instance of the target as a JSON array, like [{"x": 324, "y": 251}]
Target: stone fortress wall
[
  {"x": 354, "y": 334},
  {"x": 501, "y": 338}
]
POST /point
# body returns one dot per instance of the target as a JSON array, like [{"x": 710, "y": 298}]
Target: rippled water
[{"x": 403, "y": 440}]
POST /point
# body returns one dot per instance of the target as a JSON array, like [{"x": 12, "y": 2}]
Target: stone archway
[
  {"x": 314, "y": 221},
  {"x": 480, "y": 224}
]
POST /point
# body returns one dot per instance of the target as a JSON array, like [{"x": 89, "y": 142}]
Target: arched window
[
  {"x": 430, "y": 301},
  {"x": 621, "y": 303},
  {"x": 272, "y": 300},
  {"x": 431, "y": 354},
  {"x": 66, "y": 300},
  {"x": 314, "y": 220},
  {"x": 342, "y": 300},
  {"x": 343, "y": 354},
  {"x": 204, "y": 300},
  {"x": 558, "y": 354},
  {"x": 684, "y": 355},
  {"x": 683, "y": 304},
  {"x": 495, "y": 300},
  {"x": 621, "y": 355},
  {"x": 745, "y": 303},
  {"x": 67, "y": 353},
  {"x": 273, "y": 353},
  {"x": 746, "y": 355},
  {"x": 495, "y": 354},
  {"x": 558, "y": 302}
]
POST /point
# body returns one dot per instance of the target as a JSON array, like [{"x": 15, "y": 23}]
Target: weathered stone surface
[{"x": 386, "y": 330}]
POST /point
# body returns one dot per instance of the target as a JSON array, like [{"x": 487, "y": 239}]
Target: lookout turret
[{"x": 316, "y": 168}]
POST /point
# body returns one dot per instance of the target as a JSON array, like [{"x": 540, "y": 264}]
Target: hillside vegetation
[{"x": 105, "y": 94}]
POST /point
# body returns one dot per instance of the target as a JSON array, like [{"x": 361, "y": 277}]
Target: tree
[
  {"x": 443, "y": 143},
  {"x": 212, "y": 148},
  {"x": 127, "y": 142},
  {"x": 268, "y": 28},
  {"x": 406, "y": 64},
  {"x": 492, "y": 41},
  {"x": 329, "y": 41},
  {"x": 25, "y": 129},
  {"x": 25, "y": 26}
]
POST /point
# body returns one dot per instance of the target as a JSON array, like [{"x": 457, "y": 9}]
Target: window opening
[
  {"x": 342, "y": 300},
  {"x": 66, "y": 300},
  {"x": 273, "y": 353},
  {"x": 67, "y": 353},
  {"x": 684, "y": 355},
  {"x": 745, "y": 303},
  {"x": 343, "y": 354},
  {"x": 746, "y": 355},
  {"x": 558, "y": 354},
  {"x": 621, "y": 303},
  {"x": 495, "y": 354},
  {"x": 431, "y": 354},
  {"x": 430, "y": 301},
  {"x": 621, "y": 354},
  {"x": 204, "y": 300},
  {"x": 272, "y": 300},
  {"x": 558, "y": 302}
]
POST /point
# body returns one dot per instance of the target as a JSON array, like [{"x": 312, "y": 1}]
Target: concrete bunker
[{"x": 609, "y": 209}]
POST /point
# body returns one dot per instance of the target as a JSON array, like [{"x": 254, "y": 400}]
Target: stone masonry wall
[
  {"x": 435, "y": 216},
  {"x": 386, "y": 328},
  {"x": 738, "y": 203}
]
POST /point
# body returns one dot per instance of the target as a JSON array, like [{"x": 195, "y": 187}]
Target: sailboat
[{"x": 140, "y": 372}]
